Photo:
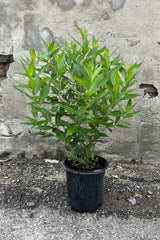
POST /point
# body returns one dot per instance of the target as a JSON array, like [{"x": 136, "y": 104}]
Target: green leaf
[
  {"x": 96, "y": 72},
  {"x": 61, "y": 58},
  {"x": 44, "y": 93},
  {"x": 47, "y": 135},
  {"x": 123, "y": 72},
  {"x": 120, "y": 109},
  {"x": 129, "y": 115},
  {"x": 37, "y": 133},
  {"x": 29, "y": 96},
  {"x": 134, "y": 67},
  {"x": 21, "y": 85},
  {"x": 82, "y": 82},
  {"x": 60, "y": 134},
  {"x": 46, "y": 114},
  {"x": 41, "y": 127},
  {"x": 69, "y": 109},
  {"x": 129, "y": 105},
  {"x": 122, "y": 126},
  {"x": 116, "y": 113},
  {"x": 32, "y": 83},
  {"x": 90, "y": 93},
  {"x": 129, "y": 96},
  {"x": 71, "y": 130},
  {"x": 54, "y": 82},
  {"x": 24, "y": 67},
  {"x": 50, "y": 46},
  {"x": 42, "y": 57},
  {"x": 23, "y": 74},
  {"x": 83, "y": 133},
  {"x": 94, "y": 42},
  {"x": 113, "y": 80},
  {"x": 98, "y": 122},
  {"x": 42, "y": 70},
  {"x": 117, "y": 119},
  {"x": 98, "y": 97},
  {"x": 126, "y": 123},
  {"x": 32, "y": 54},
  {"x": 31, "y": 69},
  {"x": 101, "y": 50}
]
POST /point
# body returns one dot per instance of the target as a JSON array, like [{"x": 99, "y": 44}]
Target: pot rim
[{"x": 97, "y": 171}]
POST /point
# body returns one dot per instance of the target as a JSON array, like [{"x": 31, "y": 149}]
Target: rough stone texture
[
  {"x": 133, "y": 28},
  {"x": 65, "y": 4},
  {"x": 13, "y": 21},
  {"x": 117, "y": 4},
  {"x": 4, "y": 130}
]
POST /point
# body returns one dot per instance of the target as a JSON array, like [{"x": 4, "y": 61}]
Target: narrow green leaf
[
  {"x": 37, "y": 133},
  {"x": 71, "y": 130},
  {"x": 32, "y": 83},
  {"x": 69, "y": 109},
  {"x": 46, "y": 114},
  {"x": 113, "y": 80},
  {"x": 23, "y": 74},
  {"x": 24, "y": 67},
  {"x": 96, "y": 72},
  {"x": 129, "y": 115},
  {"x": 30, "y": 97},
  {"x": 129, "y": 96},
  {"x": 82, "y": 132},
  {"x": 134, "y": 67},
  {"x": 54, "y": 82},
  {"x": 44, "y": 127},
  {"x": 98, "y": 97},
  {"x": 129, "y": 105},
  {"x": 21, "y": 85},
  {"x": 42, "y": 70},
  {"x": 31, "y": 69},
  {"x": 122, "y": 126},
  {"x": 60, "y": 134},
  {"x": 82, "y": 82},
  {"x": 90, "y": 93},
  {"x": 32, "y": 54},
  {"x": 44, "y": 93},
  {"x": 42, "y": 57}
]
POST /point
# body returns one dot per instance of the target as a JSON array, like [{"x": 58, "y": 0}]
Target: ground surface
[
  {"x": 33, "y": 193},
  {"x": 38, "y": 182}
]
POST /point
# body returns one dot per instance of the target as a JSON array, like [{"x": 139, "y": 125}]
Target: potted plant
[{"x": 77, "y": 93}]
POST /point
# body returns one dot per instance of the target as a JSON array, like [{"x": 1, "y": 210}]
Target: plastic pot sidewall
[{"x": 85, "y": 189}]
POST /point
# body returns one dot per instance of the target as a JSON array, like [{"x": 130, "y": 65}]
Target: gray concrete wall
[{"x": 133, "y": 26}]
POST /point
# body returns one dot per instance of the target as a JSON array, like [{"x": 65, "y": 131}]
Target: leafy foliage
[{"x": 75, "y": 89}]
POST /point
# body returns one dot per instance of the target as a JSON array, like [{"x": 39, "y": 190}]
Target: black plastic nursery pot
[{"x": 85, "y": 189}]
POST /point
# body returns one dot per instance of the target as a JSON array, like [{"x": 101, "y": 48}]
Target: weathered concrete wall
[{"x": 133, "y": 26}]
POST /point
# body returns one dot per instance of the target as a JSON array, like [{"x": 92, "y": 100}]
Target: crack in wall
[{"x": 149, "y": 89}]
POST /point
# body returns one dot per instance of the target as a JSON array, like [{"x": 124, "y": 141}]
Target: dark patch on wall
[
  {"x": 32, "y": 37},
  {"x": 133, "y": 43},
  {"x": 25, "y": 4},
  {"x": 149, "y": 89},
  {"x": 105, "y": 15},
  {"x": 87, "y": 2},
  {"x": 13, "y": 21},
  {"x": 117, "y": 4},
  {"x": 2, "y": 14},
  {"x": 52, "y": 1},
  {"x": 65, "y": 5},
  {"x": 5, "y": 60}
]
